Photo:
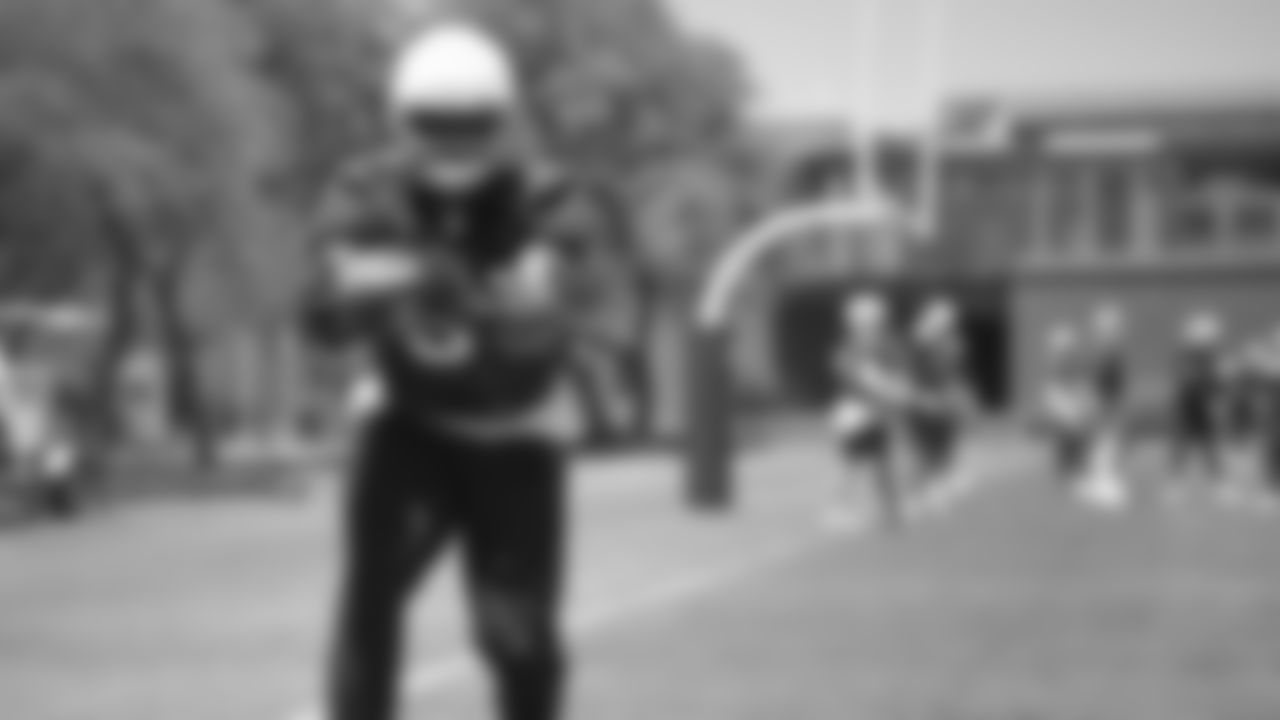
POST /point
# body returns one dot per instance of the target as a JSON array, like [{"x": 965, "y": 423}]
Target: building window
[
  {"x": 1082, "y": 210},
  {"x": 1192, "y": 214},
  {"x": 1256, "y": 224},
  {"x": 1064, "y": 207},
  {"x": 1192, "y": 227},
  {"x": 1113, "y": 197},
  {"x": 1226, "y": 201}
]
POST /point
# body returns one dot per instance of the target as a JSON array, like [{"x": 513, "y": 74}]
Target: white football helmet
[
  {"x": 452, "y": 68},
  {"x": 455, "y": 93},
  {"x": 1203, "y": 329},
  {"x": 866, "y": 312}
]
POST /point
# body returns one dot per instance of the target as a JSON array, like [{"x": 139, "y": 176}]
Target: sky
[{"x": 801, "y": 57}]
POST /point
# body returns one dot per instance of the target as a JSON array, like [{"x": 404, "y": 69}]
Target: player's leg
[
  {"x": 1073, "y": 456},
  {"x": 1182, "y": 457},
  {"x": 840, "y": 509},
  {"x": 850, "y": 424},
  {"x": 514, "y": 523},
  {"x": 1270, "y": 445},
  {"x": 950, "y": 470},
  {"x": 1064, "y": 448},
  {"x": 1172, "y": 428},
  {"x": 1203, "y": 459},
  {"x": 1209, "y": 457},
  {"x": 920, "y": 431},
  {"x": 1104, "y": 484},
  {"x": 1067, "y": 423},
  {"x": 860, "y": 450},
  {"x": 880, "y": 451},
  {"x": 396, "y": 519},
  {"x": 954, "y": 422},
  {"x": 942, "y": 435}
]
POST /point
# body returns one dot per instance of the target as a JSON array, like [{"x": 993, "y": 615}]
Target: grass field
[{"x": 1015, "y": 604}]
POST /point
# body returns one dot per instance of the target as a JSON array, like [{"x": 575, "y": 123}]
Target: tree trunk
[
  {"x": 101, "y": 417},
  {"x": 189, "y": 405}
]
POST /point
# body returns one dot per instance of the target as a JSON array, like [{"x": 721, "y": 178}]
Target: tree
[
  {"x": 324, "y": 59},
  {"x": 40, "y": 217},
  {"x": 160, "y": 138},
  {"x": 182, "y": 143}
]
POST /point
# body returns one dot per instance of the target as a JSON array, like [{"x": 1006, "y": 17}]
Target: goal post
[
  {"x": 709, "y": 466},
  {"x": 872, "y": 214}
]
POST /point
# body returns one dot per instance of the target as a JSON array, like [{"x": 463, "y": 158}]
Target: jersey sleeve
[
  {"x": 353, "y": 212},
  {"x": 556, "y": 264}
]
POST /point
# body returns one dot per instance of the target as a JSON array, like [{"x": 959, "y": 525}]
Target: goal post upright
[
  {"x": 932, "y": 83},
  {"x": 870, "y": 210},
  {"x": 709, "y": 450}
]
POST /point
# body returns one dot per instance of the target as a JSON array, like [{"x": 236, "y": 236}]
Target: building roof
[
  {"x": 1110, "y": 108},
  {"x": 1223, "y": 118},
  {"x": 799, "y": 141}
]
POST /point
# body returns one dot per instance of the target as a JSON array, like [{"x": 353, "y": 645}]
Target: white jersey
[
  {"x": 1070, "y": 399},
  {"x": 873, "y": 387}
]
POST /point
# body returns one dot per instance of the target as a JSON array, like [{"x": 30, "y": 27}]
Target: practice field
[{"x": 1015, "y": 603}]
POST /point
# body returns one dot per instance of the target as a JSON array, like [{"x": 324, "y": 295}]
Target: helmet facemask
[{"x": 460, "y": 149}]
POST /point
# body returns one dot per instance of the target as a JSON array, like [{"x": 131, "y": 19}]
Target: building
[
  {"x": 1160, "y": 207},
  {"x": 966, "y": 261}
]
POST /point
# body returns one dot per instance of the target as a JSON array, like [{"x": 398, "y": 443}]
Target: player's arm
[
  {"x": 886, "y": 383},
  {"x": 549, "y": 295},
  {"x": 844, "y": 365},
  {"x": 355, "y": 260}
]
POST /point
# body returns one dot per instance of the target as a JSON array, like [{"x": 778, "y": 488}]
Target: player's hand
[
  {"x": 530, "y": 287},
  {"x": 362, "y": 273}
]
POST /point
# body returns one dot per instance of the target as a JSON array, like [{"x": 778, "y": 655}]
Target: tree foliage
[
  {"x": 161, "y": 155},
  {"x": 146, "y": 147}
]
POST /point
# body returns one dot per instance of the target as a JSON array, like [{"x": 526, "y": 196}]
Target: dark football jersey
[
  {"x": 1200, "y": 392},
  {"x": 466, "y": 242},
  {"x": 938, "y": 366},
  {"x": 1110, "y": 371},
  {"x": 872, "y": 372}
]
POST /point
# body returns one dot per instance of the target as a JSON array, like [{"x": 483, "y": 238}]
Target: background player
[
  {"x": 1198, "y": 437},
  {"x": 1105, "y": 485},
  {"x": 941, "y": 395},
  {"x": 1268, "y": 418},
  {"x": 874, "y": 390},
  {"x": 1068, "y": 406}
]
